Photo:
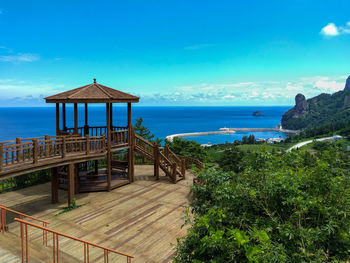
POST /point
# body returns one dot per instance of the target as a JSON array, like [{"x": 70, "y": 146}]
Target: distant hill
[{"x": 321, "y": 110}]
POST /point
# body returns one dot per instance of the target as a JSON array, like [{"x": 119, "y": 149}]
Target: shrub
[{"x": 280, "y": 208}]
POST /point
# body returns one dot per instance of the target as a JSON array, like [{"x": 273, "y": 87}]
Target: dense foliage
[
  {"x": 291, "y": 207},
  {"x": 187, "y": 148},
  {"x": 342, "y": 127},
  {"x": 324, "y": 109},
  {"x": 25, "y": 180}
]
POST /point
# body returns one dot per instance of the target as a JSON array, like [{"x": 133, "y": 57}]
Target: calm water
[{"x": 162, "y": 121}]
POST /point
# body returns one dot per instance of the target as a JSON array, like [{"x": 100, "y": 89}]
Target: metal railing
[
  {"x": 4, "y": 209},
  {"x": 55, "y": 238}
]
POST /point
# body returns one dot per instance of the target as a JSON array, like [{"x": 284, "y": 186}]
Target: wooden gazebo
[{"x": 117, "y": 138}]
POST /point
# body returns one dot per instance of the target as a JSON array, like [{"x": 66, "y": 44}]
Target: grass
[{"x": 71, "y": 207}]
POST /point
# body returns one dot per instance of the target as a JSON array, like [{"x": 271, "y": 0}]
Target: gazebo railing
[
  {"x": 93, "y": 130},
  {"x": 120, "y": 137}
]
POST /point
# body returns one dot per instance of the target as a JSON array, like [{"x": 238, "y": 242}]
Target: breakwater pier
[
  {"x": 275, "y": 129},
  {"x": 191, "y": 134},
  {"x": 230, "y": 131}
]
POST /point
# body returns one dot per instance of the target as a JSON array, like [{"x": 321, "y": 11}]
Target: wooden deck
[{"x": 141, "y": 219}]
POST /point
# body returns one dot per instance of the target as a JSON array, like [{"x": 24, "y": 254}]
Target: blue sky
[{"x": 175, "y": 52}]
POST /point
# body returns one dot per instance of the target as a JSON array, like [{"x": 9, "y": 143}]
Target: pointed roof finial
[{"x": 94, "y": 80}]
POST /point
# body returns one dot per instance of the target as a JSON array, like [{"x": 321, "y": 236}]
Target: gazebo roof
[{"x": 92, "y": 93}]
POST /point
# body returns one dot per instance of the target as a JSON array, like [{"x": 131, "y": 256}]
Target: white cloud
[
  {"x": 330, "y": 30},
  {"x": 247, "y": 93},
  {"x": 232, "y": 94},
  {"x": 329, "y": 85},
  {"x": 22, "y": 92},
  {"x": 333, "y": 30},
  {"x": 228, "y": 96},
  {"x": 254, "y": 94},
  {"x": 19, "y": 58}
]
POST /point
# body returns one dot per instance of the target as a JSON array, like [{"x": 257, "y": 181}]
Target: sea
[{"x": 29, "y": 122}]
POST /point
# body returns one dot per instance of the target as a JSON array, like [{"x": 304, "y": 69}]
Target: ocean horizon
[{"x": 28, "y": 122}]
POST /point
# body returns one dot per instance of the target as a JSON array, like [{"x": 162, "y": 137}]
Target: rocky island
[
  {"x": 317, "y": 111},
  {"x": 257, "y": 114}
]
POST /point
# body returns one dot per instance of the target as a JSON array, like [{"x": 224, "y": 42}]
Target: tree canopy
[{"x": 292, "y": 207}]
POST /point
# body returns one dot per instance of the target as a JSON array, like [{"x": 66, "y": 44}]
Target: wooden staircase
[{"x": 173, "y": 166}]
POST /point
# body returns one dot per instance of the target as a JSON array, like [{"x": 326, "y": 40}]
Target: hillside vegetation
[
  {"x": 270, "y": 207},
  {"x": 322, "y": 110}
]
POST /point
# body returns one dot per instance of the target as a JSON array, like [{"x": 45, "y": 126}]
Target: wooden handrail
[
  {"x": 143, "y": 140},
  {"x": 57, "y": 233},
  {"x": 45, "y": 147}
]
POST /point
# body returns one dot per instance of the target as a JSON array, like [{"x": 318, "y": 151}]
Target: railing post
[
  {"x": 1, "y": 155},
  {"x": 174, "y": 168},
  {"x": 18, "y": 141},
  {"x": 183, "y": 167},
  {"x": 35, "y": 151},
  {"x": 47, "y": 146},
  {"x": 3, "y": 220},
  {"x": 22, "y": 241},
  {"x": 64, "y": 147},
  {"x": 103, "y": 142},
  {"x": 156, "y": 160},
  {"x": 87, "y": 144},
  {"x": 166, "y": 151}
]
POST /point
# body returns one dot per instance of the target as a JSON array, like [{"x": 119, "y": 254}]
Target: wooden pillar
[
  {"x": 109, "y": 157},
  {"x": 86, "y": 127},
  {"x": 111, "y": 114},
  {"x": 156, "y": 161},
  {"x": 1, "y": 155},
  {"x": 76, "y": 178},
  {"x": 54, "y": 185},
  {"x": 183, "y": 167},
  {"x": 174, "y": 172},
  {"x": 57, "y": 118},
  {"x": 70, "y": 175},
  {"x": 64, "y": 124},
  {"x": 75, "y": 118},
  {"x": 131, "y": 140}
]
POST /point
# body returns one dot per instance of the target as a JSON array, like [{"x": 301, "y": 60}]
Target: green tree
[
  {"x": 144, "y": 132},
  {"x": 187, "y": 148},
  {"x": 251, "y": 139},
  {"x": 231, "y": 159}
]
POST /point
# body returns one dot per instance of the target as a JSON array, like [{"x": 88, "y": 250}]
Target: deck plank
[{"x": 142, "y": 218}]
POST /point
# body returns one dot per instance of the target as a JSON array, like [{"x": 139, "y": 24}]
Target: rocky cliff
[
  {"x": 347, "y": 84},
  {"x": 320, "y": 110}
]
